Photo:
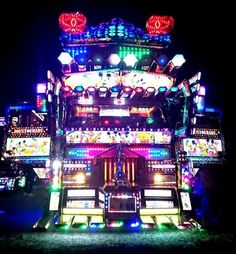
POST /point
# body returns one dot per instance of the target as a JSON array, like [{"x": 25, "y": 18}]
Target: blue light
[
  {"x": 162, "y": 89},
  {"x": 162, "y": 60},
  {"x": 134, "y": 224},
  {"x": 120, "y": 27},
  {"x": 115, "y": 89},
  {"x": 93, "y": 225},
  {"x": 81, "y": 58},
  {"x": 211, "y": 110},
  {"x": 174, "y": 89},
  {"x": 201, "y": 104},
  {"x": 79, "y": 89}
]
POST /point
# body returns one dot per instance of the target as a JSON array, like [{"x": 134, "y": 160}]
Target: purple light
[
  {"x": 84, "y": 153},
  {"x": 202, "y": 91}
]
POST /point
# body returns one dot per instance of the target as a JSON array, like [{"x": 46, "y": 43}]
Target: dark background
[{"x": 203, "y": 32}]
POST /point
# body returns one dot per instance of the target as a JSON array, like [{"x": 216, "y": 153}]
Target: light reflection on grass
[{"x": 61, "y": 240}]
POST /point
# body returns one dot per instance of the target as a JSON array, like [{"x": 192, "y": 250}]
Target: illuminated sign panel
[
  {"x": 80, "y": 204},
  {"x": 157, "y": 193},
  {"x": 81, "y": 193},
  {"x": 145, "y": 80},
  {"x": 202, "y": 147},
  {"x": 28, "y": 146},
  {"x": 205, "y": 132},
  {"x": 20, "y": 132},
  {"x": 95, "y": 78},
  {"x": 54, "y": 201},
  {"x": 185, "y": 200},
  {"x": 159, "y": 204},
  {"x": 114, "y": 112},
  {"x": 116, "y": 137},
  {"x": 113, "y": 78}
]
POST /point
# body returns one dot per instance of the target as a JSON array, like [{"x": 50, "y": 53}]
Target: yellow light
[
  {"x": 80, "y": 178},
  {"x": 167, "y": 219},
  {"x": 83, "y": 211},
  {"x": 147, "y": 220},
  {"x": 158, "y": 178},
  {"x": 79, "y": 219},
  {"x": 132, "y": 167},
  {"x": 105, "y": 171},
  {"x": 96, "y": 219}
]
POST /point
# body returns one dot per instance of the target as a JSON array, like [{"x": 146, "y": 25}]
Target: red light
[
  {"x": 66, "y": 88},
  {"x": 74, "y": 23},
  {"x": 127, "y": 89},
  {"x": 117, "y": 121},
  {"x": 106, "y": 122},
  {"x": 157, "y": 25},
  {"x": 138, "y": 89}
]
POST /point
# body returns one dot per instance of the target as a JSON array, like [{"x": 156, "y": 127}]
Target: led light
[
  {"x": 178, "y": 60},
  {"x": 130, "y": 60},
  {"x": 65, "y": 58},
  {"x": 41, "y": 88},
  {"x": 162, "y": 89},
  {"x": 80, "y": 178},
  {"x": 79, "y": 89},
  {"x": 114, "y": 59},
  {"x": 158, "y": 178},
  {"x": 103, "y": 91},
  {"x": 66, "y": 89}
]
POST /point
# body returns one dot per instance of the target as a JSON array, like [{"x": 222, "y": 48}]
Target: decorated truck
[{"x": 119, "y": 137}]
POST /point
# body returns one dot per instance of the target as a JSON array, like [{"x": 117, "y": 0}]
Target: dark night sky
[{"x": 30, "y": 43}]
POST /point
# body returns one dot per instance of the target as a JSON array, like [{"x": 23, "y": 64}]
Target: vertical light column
[
  {"x": 114, "y": 168},
  {"x": 132, "y": 168},
  {"x": 110, "y": 171},
  {"x": 123, "y": 168},
  {"x": 128, "y": 170},
  {"x": 105, "y": 171}
]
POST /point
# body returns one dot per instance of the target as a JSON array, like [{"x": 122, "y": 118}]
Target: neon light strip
[
  {"x": 157, "y": 193},
  {"x": 132, "y": 171},
  {"x": 105, "y": 171},
  {"x": 81, "y": 193},
  {"x": 83, "y": 211},
  {"x": 153, "y": 153},
  {"x": 149, "y": 211},
  {"x": 110, "y": 171},
  {"x": 163, "y": 166},
  {"x": 128, "y": 170},
  {"x": 84, "y": 152},
  {"x": 114, "y": 168}
]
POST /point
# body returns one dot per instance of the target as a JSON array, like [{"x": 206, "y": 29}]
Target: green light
[
  {"x": 55, "y": 186},
  {"x": 162, "y": 227},
  {"x": 84, "y": 226},
  {"x": 150, "y": 120},
  {"x": 101, "y": 226},
  {"x": 138, "y": 52},
  {"x": 65, "y": 227}
]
